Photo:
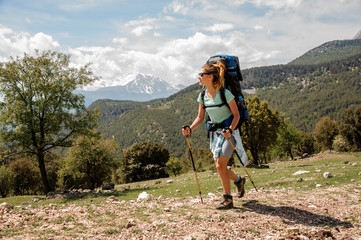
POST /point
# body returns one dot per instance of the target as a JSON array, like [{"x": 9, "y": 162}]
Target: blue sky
[{"x": 173, "y": 39}]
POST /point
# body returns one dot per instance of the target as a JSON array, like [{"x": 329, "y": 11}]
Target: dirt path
[{"x": 332, "y": 213}]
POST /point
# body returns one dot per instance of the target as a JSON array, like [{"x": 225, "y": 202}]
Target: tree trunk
[
  {"x": 289, "y": 152},
  {"x": 44, "y": 177},
  {"x": 291, "y": 155},
  {"x": 255, "y": 157}
]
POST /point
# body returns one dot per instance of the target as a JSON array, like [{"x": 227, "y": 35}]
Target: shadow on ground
[{"x": 292, "y": 215}]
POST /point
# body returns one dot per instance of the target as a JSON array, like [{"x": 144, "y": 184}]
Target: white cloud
[
  {"x": 181, "y": 7},
  {"x": 177, "y": 42},
  {"x": 121, "y": 41},
  {"x": 16, "y": 44},
  {"x": 278, "y": 4},
  {"x": 220, "y": 27},
  {"x": 258, "y": 27},
  {"x": 140, "y": 27},
  {"x": 176, "y": 61},
  {"x": 42, "y": 41},
  {"x": 140, "y": 30}
]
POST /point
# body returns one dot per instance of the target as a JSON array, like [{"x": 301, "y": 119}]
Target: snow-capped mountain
[{"x": 136, "y": 87}]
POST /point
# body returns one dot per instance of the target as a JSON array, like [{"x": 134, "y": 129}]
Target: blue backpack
[{"x": 232, "y": 77}]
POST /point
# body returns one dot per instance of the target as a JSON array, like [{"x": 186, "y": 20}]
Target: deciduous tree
[
  {"x": 89, "y": 162},
  {"x": 288, "y": 138},
  {"x": 260, "y": 131},
  {"x": 40, "y": 111},
  {"x": 351, "y": 128},
  {"x": 325, "y": 132}
]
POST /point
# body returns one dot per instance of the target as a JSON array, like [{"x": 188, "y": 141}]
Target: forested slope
[
  {"x": 330, "y": 51},
  {"x": 302, "y": 93}
]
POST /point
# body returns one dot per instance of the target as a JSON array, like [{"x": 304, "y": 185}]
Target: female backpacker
[{"x": 212, "y": 77}]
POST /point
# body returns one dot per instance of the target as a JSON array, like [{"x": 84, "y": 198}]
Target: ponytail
[
  {"x": 218, "y": 70},
  {"x": 221, "y": 70}
]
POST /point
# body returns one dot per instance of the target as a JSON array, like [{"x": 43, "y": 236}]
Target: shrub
[
  {"x": 27, "y": 176},
  {"x": 340, "y": 144},
  {"x": 174, "y": 166},
  {"x": 89, "y": 163},
  {"x": 7, "y": 180},
  {"x": 144, "y": 161},
  {"x": 325, "y": 132}
]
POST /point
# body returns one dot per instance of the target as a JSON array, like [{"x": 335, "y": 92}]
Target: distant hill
[
  {"x": 357, "y": 36},
  {"x": 330, "y": 51},
  {"x": 136, "y": 87},
  {"x": 327, "y": 91},
  {"x": 304, "y": 95},
  {"x": 159, "y": 120}
]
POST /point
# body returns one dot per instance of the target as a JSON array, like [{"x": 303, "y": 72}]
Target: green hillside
[
  {"x": 330, "y": 51},
  {"x": 157, "y": 121},
  {"x": 307, "y": 93},
  {"x": 318, "y": 94},
  {"x": 303, "y": 93}
]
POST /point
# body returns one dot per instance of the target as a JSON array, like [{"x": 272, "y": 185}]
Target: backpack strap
[{"x": 223, "y": 99}]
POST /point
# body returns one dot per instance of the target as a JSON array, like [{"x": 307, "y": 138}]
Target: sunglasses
[{"x": 201, "y": 74}]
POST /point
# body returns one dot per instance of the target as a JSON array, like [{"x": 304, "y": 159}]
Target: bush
[
  {"x": 325, "y": 132},
  {"x": 174, "y": 166},
  {"x": 144, "y": 161},
  {"x": 27, "y": 176},
  {"x": 340, "y": 144},
  {"x": 89, "y": 163},
  {"x": 7, "y": 180},
  {"x": 351, "y": 128},
  {"x": 307, "y": 144}
]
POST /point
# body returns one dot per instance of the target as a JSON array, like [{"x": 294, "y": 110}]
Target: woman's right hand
[{"x": 186, "y": 130}]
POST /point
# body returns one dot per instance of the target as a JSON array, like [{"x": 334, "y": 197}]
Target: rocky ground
[{"x": 331, "y": 213}]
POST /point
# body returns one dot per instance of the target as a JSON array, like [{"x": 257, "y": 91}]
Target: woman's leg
[{"x": 225, "y": 174}]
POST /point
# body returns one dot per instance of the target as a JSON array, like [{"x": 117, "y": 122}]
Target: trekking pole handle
[
  {"x": 227, "y": 128},
  {"x": 190, "y": 129}
]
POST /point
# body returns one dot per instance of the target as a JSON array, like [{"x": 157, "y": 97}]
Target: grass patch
[
  {"x": 111, "y": 231},
  {"x": 136, "y": 231},
  {"x": 17, "y": 200},
  {"x": 344, "y": 167},
  {"x": 9, "y": 232}
]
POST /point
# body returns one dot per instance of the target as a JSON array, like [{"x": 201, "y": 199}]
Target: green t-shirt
[{"x": 217, "y": 114}]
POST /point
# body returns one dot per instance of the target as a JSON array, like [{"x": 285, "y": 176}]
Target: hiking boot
[
  {"x": 227, "y": 202},
  {"x": 240, "y": 187}
]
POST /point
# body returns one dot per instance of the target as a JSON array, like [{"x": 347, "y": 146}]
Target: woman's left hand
[{"x": 227, "y": 132}]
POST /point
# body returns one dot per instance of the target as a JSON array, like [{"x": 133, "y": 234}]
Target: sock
[
  {"x": 229, "y": 195},
  {"x": 238, "y": 180}
]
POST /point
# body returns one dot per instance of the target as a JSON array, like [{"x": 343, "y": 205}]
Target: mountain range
[
  {"x": 330, "y": 51},
  {"x": 136, "y": 87},
  {"x": 304, "y": 93},
  {"x": 145, "y": 87}
]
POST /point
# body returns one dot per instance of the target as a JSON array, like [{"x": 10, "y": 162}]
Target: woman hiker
[{"x": 212, "y": 77}]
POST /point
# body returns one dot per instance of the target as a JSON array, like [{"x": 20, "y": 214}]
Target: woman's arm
[
  {"x": 198, "y": 121},
  {"x": 233, "y": 106}
]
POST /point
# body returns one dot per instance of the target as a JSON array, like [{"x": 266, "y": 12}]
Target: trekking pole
[
  {"x": 194, "y": 167},
  {"x": 240, "y": 160}
]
